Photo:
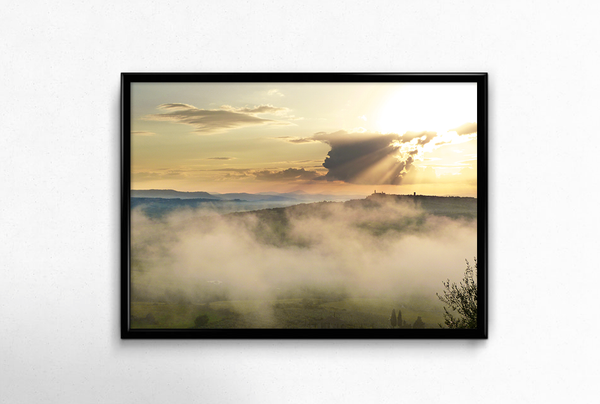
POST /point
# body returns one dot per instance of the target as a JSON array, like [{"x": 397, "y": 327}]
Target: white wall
[{"x": 59, "y": 209}]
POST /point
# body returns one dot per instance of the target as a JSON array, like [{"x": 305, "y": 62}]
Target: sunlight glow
[{"x": 431, "y": 107}]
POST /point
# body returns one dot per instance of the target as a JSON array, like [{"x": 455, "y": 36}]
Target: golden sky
[{"x": 335, "y": 138}]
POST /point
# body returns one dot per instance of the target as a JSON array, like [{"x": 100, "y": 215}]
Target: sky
[{"x": 332, "y": 138}]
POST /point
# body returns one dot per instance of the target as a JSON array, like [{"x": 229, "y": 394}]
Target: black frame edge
[
  {"x": 125, "y": 203},
  {"x": 481, "y": 78}
]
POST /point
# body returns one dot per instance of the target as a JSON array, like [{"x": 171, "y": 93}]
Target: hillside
[
  {"x": 453, "y": 206},
  {"x": 377, "y": 214}
]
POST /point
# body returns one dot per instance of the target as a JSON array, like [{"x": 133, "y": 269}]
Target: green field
[{"x": 285, "y": 313}]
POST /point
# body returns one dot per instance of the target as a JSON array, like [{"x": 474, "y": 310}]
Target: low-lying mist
[{"x": 353, "y": 249}]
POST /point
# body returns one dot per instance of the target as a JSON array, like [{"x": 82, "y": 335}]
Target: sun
[{"x": 428, "y": 107}]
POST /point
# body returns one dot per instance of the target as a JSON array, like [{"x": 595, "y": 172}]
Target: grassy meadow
[{"x": 285, "y": 313}]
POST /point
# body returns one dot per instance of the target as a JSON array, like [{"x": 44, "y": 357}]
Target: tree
[
  {"x": 201, "y": 321},
  {"x": 393, "y": 318},
  {"x": 419, "y": 323},
  {"x": 399, "y": 318},
  {"x": 462, "y": 300}
]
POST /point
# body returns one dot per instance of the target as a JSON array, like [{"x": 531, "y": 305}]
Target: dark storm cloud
[
  {"x": 216, "y": 120},
  {"x": 466, "y": 129},
  {"x": 371, "y": 158},
  {"x": 290, "y": 174},
  {"x": 353, "y": 155}
]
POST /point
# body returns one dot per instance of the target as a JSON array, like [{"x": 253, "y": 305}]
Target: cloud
[
  {"x": 371, "y": 158},
  {"x": 217, "y": 120},
  {"x": 297, "y": 140},
  {"x": 275, "y": 92},
  {"x": 261, "y": 109},
  {"x": 419, "y": 138},
  {"x": 233, "y": 175},
  {"x": 225, "y": 174},
  {"x": 142, "y": 133},
  {"x": 142, "y": 176},
  {"x": 291, "y": 174},
  {"x": 238, "y": 170},
  {"x": 466, "y": 129},
  {"x": 220, "y": 158}
]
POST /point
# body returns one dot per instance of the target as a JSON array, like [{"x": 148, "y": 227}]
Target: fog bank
[{"x": 387, "y": 250}]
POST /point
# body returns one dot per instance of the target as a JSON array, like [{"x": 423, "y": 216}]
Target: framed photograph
[{"x": 304, "y": 205}]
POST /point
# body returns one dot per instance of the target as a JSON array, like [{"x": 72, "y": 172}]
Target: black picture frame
[{"x": 481, "y": 332}]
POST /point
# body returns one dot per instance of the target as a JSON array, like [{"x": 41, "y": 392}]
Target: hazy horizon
[{"x": 297, "y": 192}]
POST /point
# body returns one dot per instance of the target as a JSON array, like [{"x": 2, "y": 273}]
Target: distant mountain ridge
[
  {"x": 450, "y": 206},
  {"x": 244, "y": 196},
  {"x": 171, "y": 194},
  {"x": 296, "y": 196}
]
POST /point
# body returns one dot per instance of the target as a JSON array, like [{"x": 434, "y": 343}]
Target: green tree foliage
[
  {"x": 462, "y": 300},
  {"x": 201, "y": 320},
  {"x": 393, "y": 318}
]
